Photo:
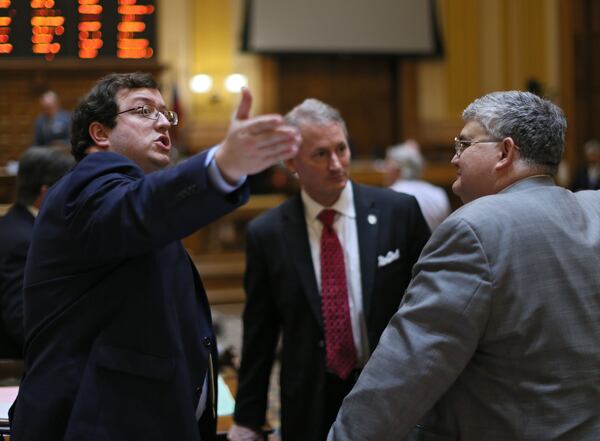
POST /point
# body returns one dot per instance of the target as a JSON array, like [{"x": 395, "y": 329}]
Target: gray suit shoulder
[{"x": 532, "y": 205}]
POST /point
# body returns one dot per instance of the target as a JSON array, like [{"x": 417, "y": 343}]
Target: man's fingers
[
  {"x": 271, "y": 139},
  {"x": 278, "y": 151},
  {"x": 243, "y": 110},
  {"x": 263, "y": 123}
]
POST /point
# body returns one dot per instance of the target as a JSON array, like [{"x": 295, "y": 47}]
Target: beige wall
[
  {"x": 488, "y": 45},
  {"x": 203, "y": 36}
]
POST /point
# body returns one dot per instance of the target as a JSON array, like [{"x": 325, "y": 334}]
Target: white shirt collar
[{"x": 344, "y": 204}]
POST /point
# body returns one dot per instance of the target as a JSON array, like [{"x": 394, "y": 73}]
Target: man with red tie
[{"x": 326, "y": 269}]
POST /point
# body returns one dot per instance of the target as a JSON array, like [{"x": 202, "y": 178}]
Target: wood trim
[
  {"x": 270, "y": 84},
  {"x": 407, "y": 100},
  {"x": 567, "y": 75},
  {"x": 71, "y": 64}
]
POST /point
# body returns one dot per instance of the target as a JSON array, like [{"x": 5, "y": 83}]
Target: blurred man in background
[
  {"x": 587, "y": 177},
  {"x": 53, "y": 125},
  {"x": 405, "y": 167},
  {"x": 39, "y": 169}
]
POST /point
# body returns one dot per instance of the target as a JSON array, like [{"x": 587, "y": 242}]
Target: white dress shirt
[
  {"x": 345, "y": 227},
  {"x": 433, "y": 200}
]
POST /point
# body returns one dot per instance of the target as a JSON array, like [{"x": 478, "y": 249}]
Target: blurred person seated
[
  {"x": 587, "y": 177},
  {"x": 53, "y": 125},
  {"x": 404, "y": 164},
  {"x": 39, "y": 168}
]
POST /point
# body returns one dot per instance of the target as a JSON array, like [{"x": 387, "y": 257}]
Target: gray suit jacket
[{"x": 498, "y": 335}]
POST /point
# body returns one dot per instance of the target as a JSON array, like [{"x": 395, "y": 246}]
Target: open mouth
[{"x": 165, "y": 142}]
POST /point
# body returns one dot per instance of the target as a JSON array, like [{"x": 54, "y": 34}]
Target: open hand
[{"x": 254, "y": 144}]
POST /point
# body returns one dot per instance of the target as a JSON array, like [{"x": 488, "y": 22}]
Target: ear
[
  {"x": 99, "y": 134},
  {"x": 290, "y": 165},
  {"x": 508, "y": 153},
  {"x": 40, "y": 197}
]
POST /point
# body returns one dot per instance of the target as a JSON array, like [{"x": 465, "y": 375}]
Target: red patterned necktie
[{"x": 339, "y": 344}]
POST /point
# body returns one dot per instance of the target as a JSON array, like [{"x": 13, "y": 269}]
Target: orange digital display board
[
  {"x": 6, "y": 46},
  {"x": 130, "y": 43},
  {"x": 94, "y": 28}
]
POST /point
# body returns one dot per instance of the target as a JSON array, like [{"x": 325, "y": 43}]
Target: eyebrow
[{"x": 148, "y": 101}]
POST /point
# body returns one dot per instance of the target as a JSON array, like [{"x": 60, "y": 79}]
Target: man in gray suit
[{"x": 498, "y": 334}]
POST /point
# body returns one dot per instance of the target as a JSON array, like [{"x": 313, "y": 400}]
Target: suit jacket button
[{"x": 207, "y": 342}]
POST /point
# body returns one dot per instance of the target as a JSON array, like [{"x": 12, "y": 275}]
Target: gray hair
[
  {"x": 314, "y": 111},
  {"x": 40, "y": 166},
  {"x": 408, "y": 159},
  {"x": 536, "y": 125}
]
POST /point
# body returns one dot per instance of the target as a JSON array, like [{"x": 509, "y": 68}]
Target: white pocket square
[{"x": 388, "y": 258}]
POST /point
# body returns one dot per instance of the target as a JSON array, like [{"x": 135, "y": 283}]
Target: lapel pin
[{"x": 372, "y": 219}]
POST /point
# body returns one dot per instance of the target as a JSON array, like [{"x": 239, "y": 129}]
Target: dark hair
[
  {"x": 40, "y": 166},
  {"x": 100, "y": 105}
]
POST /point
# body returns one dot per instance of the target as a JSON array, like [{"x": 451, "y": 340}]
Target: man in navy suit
[
  {"x": 381, "y": 233},
  {"x": 39, "y": 168},
  {"x": 53, "y": 124},
  {"x": 119, "y": 343}
]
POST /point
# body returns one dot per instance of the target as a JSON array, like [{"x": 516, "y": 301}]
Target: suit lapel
[
  {"x": 367, "y": 227},
  {"x": 296, "y": 237}
]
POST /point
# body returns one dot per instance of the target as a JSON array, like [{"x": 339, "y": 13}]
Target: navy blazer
[
  {"x": 118, "y": 327},
  {"x": 15, "y": 236},
  {"x": 283, "y": 297}
]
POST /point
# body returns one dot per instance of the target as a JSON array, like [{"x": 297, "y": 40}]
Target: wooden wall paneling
[
  {"x": 462, "y": 52},
  {"x": 567, "y": 49},
  {"x": 270, "y": 84},
  {"x": 593, "y": 72},
  {"x": 24, "y": 80},
  {"x": 407, "y": 99},
  {"x": 362, "y": 88},
  {"x": 586, "y": 71}
]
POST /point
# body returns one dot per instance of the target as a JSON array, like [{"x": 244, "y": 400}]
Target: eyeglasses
[
  {"x": 152, "y": 112},
  {"x": 460, "y": 145}
]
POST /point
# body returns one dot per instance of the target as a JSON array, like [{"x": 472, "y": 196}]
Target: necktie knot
[{"x": 326, "y": 217}]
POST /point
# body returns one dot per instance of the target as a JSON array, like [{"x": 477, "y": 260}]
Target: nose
[
  {"x": 162, "y": 121},
  {"x": 454, "y": 160},
  {"x": 334, "y": 162}
]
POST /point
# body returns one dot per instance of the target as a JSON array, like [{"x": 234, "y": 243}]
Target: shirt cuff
[{"x": 216, "y": 177}]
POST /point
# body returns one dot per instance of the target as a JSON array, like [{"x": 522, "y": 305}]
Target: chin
[{"x": 456, "y": 189}]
